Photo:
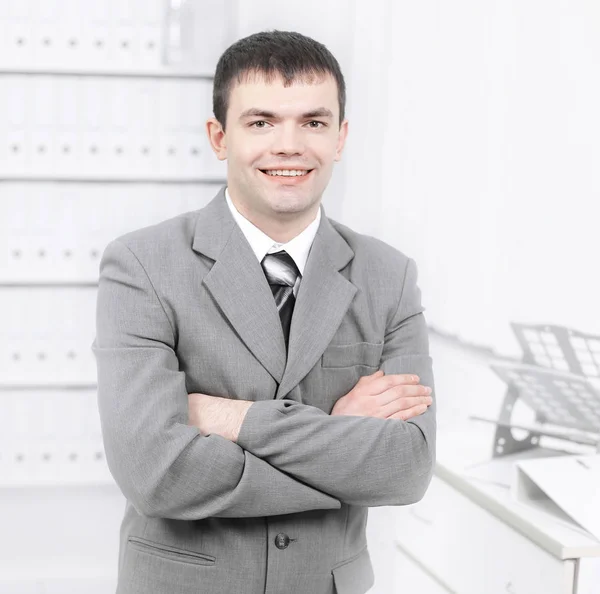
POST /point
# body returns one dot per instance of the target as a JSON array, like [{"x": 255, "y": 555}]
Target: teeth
[{"x": 288, "y": 172}]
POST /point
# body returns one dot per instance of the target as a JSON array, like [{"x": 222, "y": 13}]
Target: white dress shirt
[{"x": 298, "y": 247}]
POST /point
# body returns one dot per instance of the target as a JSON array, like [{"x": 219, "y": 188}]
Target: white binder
[{"x": 567, "y": 487}]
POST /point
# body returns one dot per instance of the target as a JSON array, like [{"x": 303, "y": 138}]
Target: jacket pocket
[
  {"x": 169, "y": 552},
  {"x": 347, "y": 355},
  {"x": 355, "y": 575}
]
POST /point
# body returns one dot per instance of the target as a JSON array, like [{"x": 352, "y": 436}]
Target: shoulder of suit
[
  {"x": 371, "y": 249},
  {"x": 178, "y": 231},
  {"x": 170, "y": 232}
]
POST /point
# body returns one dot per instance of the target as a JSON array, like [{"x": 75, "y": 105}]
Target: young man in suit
[{"x": 263, "y": 371}]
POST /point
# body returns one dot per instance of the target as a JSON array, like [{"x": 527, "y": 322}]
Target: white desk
[{"x": 470, "y": 535}]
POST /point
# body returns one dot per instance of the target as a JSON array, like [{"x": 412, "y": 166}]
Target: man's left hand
[{"x": 213, "y": 414}]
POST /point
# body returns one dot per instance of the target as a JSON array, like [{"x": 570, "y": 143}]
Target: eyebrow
[{"x": 321, "y": 112}]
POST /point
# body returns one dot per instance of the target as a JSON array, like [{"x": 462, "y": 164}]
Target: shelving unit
[{"x": 102, "y": 131}]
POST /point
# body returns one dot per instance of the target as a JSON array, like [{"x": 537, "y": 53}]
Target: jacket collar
[{"x": 239, "y": 286}]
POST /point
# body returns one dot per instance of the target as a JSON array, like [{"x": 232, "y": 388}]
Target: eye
[
  {"x": 316, "y": 122},
  {"x": 253, "y": 124}
]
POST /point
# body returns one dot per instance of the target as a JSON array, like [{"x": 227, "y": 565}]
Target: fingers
[
  {"x": 394, "y": 378},
  {"x": 382, "y": 382},
  {"x": 398, "y": 394},
  {"x": 411, "y": 401},
  {"x": 409, "y": 413},
  {"x": 412, "y": 404}
]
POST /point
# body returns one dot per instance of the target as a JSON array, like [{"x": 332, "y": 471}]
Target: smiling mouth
[{"x": 265, "y": 171}]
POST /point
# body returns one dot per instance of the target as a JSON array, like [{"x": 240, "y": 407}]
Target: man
[{"x": 243, "y": 412}]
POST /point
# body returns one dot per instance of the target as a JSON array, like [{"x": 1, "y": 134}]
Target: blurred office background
[{"x": 473, "y": 148}]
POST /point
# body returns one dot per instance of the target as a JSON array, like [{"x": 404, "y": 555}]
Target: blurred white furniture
[{"x": 473, "y": 538}]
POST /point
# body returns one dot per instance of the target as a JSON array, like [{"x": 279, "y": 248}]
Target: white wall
[{"x": 490, "y": 161}]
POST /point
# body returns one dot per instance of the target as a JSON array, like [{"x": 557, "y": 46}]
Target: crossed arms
[{"x": 288, "y": 457}]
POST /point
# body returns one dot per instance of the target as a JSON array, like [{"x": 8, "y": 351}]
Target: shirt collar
[{"x": 298, "y": 247}]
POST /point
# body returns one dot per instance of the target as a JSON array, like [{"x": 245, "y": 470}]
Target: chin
[
  {"x": 287, "y": 203},
  {"x": 287, "y": 207}
]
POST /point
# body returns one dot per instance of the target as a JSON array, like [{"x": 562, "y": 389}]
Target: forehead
[{"x": 303, "y": 93}]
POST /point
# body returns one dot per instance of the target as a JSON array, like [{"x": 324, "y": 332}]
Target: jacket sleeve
[
  {"x": 364, "y": 461},
  {"x": 164, "y": 466}
]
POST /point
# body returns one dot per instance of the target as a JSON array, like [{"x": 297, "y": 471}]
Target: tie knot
[{"x": 280, "y": 269}]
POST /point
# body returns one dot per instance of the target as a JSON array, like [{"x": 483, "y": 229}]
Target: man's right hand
[{"x": 394, "y": 396}]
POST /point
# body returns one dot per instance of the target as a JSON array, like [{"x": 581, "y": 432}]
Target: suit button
[{"x": 282, "y": 540}]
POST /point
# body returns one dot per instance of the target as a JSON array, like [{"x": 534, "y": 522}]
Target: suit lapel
[
  {"x": 238, "y": 284},
  {"x": 322, "y": 301}
]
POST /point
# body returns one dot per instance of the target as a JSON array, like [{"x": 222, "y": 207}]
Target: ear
[
  {"x": 343, "y": 133},
  {"x": 216, "y": 137}
]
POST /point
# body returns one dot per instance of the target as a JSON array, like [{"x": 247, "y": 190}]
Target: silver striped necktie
[{"x": 284, "y": 279}]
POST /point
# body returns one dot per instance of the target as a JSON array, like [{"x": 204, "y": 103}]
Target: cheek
[
  {"x": 244, "y": 150},
  {"x": 251, "y": 156},
  {"x": 325, "y": 149}
]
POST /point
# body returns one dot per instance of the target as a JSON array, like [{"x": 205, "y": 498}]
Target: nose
[{"x": 288, "y": 140}]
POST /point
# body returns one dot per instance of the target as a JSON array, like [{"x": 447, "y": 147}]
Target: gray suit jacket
[{"x": 184, "y": 306}]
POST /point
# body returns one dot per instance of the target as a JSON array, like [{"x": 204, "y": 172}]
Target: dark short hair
[{"x": 289, "y": 54}]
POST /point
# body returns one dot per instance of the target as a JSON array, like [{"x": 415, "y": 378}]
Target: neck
[{"x": 279, "y": 226}]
